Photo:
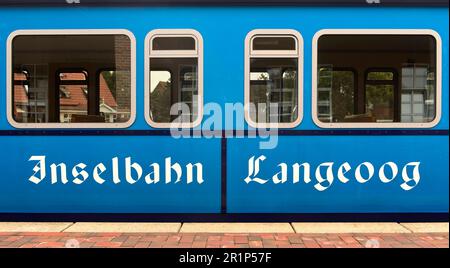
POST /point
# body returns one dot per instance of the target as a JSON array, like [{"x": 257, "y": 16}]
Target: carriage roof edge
[{"x": 368, "y": 3}]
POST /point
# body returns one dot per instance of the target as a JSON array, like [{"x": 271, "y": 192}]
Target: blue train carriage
[{"x": 224, "y": 108}]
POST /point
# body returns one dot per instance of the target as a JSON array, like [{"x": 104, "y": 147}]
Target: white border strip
[
  {"x": 298, "y": 54},
  {"x": 9, "y": 83},
  {"x": 377, "y": 32},
  {"x": 198, "y": 53}
]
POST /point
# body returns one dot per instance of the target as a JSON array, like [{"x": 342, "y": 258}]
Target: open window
[
  {"x": 397, "y": 80},
  {"x": 174, "y": 78},
  {"x": 59, "y": 79},
  {"x": 273, "y": 78}
]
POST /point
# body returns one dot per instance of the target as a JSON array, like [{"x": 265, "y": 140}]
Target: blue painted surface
[
  {"x": 18, "y": 194},
  {"x": 429, "y": 195},
  {"x": 224, "y": 31}
]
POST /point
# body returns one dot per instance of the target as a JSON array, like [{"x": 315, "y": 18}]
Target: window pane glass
[
  {"x": 273, "y": 90},
  {"x": 160, "y": 95},
  {"x": 380, "y": 102},
  {"x": 173, "y": 83},
  {"x": 73, "y": 97},
  {"x": 376, "y": 97},
  {"x": 380, "y": 76},
  {"x": 91, "y": 95},
  {"x": 173, "y": 43},
  {"x": 336, "y": 94},
  {"x": 418, "y": 84},
  {"x": 114, "y": 99},
  {"x": 79, "y": 76},
  {"x": 273, "y": 43}
]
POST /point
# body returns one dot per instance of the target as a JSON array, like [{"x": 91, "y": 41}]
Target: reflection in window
[
  {"x": 273, "y": 79},
  {"x": 403, "y": 91},
  {"x": 418, "y": 93},
  {"x": 160, "y": 91},
  {"x": 380, "y": 75},
  {"x": 66, "y": 79},
  {"x": 174, "y": 43},
  {"x": 73, "y": 96},
  {"x": 380, "y": 88},
  {"x": 174, "y": 80},
  {"x": 274, "y": 43},
  {"x": 113, "y": 99},
  {"x": 273, "y": 90},
  {"x": 30, "y": 95},
  {"x": 336, "y": 90}
]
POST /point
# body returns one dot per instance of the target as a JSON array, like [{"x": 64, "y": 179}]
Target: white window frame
[
  {"x": 377, "y": 32},
  {"x": 295, "y": 54},
  {"x": 9, "y": 82},
  {"x": 197, "y": 53}
]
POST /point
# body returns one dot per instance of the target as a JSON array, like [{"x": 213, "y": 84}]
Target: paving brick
[
  {"x": 142, "y": 245},
  {"x": 100, "y": 239},
  {"x": 187, "y": 238},
  {"x": 86, "y": 244},
  {"x": 155, "y": 245},
  {"x": 349, "y": 239},
  {"x": 108, "y": 244},
  {"x": 214, "y": 238},
  {"x": 29, "y": 245},
  {"x": 4, "y": 244},
  {"x": 50, "y": 245},
  {"x": 199, "y": 244},
  {"x": 173, "y": 238},
  {"x": 226, "y": 240},
  {"x": 121, "y": 238},
  {"x": 241, "y": 240},
  {"x": 295, "y": 240},
  {"x": 255, "y": 244},
  {"x": 311, "y": 244},
  {"x": 281, "y": 237}
]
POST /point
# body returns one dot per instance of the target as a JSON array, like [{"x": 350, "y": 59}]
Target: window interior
[
  {"x": 174, "y": 82},
  {"x": 273, "y": 90},
  {"x": 174, "y": 43},
  {"x": 71, "y": 78},
  {"x": 392, "y": 79},
  {"x": 273, "y": 80},
  {"x": 274, "y": 43}
]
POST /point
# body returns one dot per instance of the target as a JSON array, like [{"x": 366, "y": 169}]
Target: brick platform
[{"x": 210, "y": 240}]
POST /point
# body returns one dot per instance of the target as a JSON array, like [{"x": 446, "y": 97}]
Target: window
[
  {"x": 273, "y": 78},
  {"x": 59, "y": 79},
  {"x": 394, "y": 82},
  {"x": 174, "y": 78}
]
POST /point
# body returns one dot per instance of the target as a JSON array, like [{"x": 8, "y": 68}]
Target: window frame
[
  {"x": 150, "y": 53},
  {"x": 56, "y": 125},
  {"x": 314, "y": 94},
  {"x": 297, "y": 54}
]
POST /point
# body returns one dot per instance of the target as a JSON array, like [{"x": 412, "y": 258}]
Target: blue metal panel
[
  {"x": 224, "y": 31},
  {"x": 18, "y": 194},
  {"x": 223, "y": 2},
  {"x": 429, "y": 195}
]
